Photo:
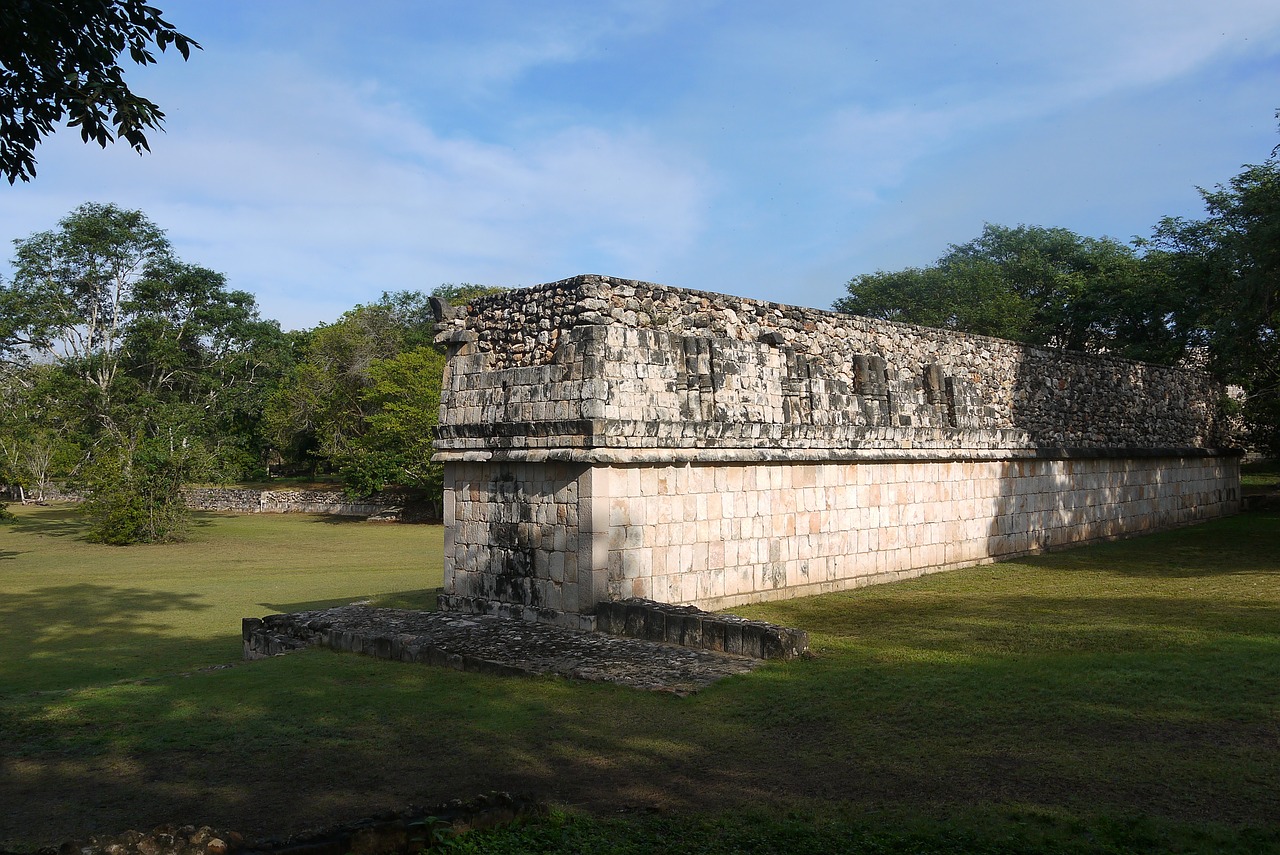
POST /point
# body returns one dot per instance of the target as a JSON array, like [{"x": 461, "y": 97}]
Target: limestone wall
[
  {"x": 550, "y": 541},
  {"x": 606, "y": 439},
  {"x": 253, "y": 501}
]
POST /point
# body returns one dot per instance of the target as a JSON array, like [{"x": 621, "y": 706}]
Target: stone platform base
[{"x": 494, "y": 645}]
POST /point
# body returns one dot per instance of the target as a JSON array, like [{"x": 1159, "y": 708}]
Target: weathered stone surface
[
  {"x": 293, "y": 501},
  {"x": 709, "y": 370},
  {"x": 685, "y": 625},
  {"x": 492, "y": 645},
  {"x": 606, "y": 439}
]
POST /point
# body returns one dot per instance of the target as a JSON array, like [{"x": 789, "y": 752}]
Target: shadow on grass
[
  {"x": 5, "y": 554},
  {"x": 1071, "y": 691},
  {"x": 66, "y": 521},
  {"x": 317, "y": 737},
  {"x": 63, "y": 521},
  {"x": 69, "y": 636},
  {"x": 337, "y": 519},
  {"x": 1248, "y": 543}
]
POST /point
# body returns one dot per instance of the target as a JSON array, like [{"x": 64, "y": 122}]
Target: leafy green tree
[
  {"x": 60, "y": 59},
  {"x": 1227, "y": 266},
  {"x": 464, "y": 292},
  {"x": 193, "y": 344},
  {"x": 71, "y": 295},
  {"x": 1049, "y": 287},
  {"x": 364, "y": 395},
  {"x": 964, "y": 295},
  {"x": 319, "y": 410},
  {"x": 42, "y": 436},
  {"x": 117, "y": 350},
  {"x": 135, "y": 492},
  {"x": 402, "y": 404}
]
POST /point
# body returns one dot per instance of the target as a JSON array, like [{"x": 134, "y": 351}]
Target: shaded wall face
[
  {"x": 518, "y": 538},
  {"x": 721, "y": 535}
]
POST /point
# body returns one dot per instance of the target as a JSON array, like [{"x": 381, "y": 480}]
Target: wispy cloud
[{"x": 307, "y": 204}]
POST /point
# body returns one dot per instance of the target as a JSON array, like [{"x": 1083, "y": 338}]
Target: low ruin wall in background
[
  {"x": 251, "y": 501},
  {"x": 247, "y": 500},
  {"x": 606, "y": 439}
]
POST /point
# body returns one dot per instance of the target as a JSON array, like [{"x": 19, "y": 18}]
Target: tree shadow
[
  {"x": 318, "y": 737},
  {"x": 50, "y": 522},
  {"x": 202, "y": 519},
  {"x": 338, "y": 519},
  {"x": 1240, "y": 545},
  {"x": 76, "y": 635},
  {"x": 67, "y": 522},
  {"x": 5, "y": 554}
]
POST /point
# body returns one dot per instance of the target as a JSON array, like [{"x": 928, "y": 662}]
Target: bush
[{"x": 137, "y": 498}]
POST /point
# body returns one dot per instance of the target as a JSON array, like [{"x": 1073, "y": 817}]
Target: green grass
[
  {"x": 1122, "y": 697},
  {"x": 1260, "y": 476},
  {"x": 88, "y": 614}
]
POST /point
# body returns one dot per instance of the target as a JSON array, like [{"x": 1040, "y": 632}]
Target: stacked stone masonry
[{"x": 606, "y": 439}]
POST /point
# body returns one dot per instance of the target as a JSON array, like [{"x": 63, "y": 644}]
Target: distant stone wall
[
  {"x": 290, "y": 501},
  {"x": 606, "y": 439},
  {"x": 251, "y": 501}
]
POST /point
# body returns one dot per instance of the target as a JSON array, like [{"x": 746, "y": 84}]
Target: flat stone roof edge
[{"x": 761, "y": 455}]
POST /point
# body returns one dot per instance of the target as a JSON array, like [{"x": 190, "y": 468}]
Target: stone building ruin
[{"x": 605, "y": 438}]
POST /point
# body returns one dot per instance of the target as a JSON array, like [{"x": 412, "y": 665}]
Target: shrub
[{"x": 137, "y": 497}]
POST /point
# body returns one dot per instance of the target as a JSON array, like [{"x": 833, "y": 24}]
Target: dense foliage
[
  {"x": 126, "y": 373},
  {"x": 1204, "y": 292},
  {"x": 61, "y": 59}
]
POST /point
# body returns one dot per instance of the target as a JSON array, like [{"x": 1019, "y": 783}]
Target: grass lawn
[
  {"x": 1121, "y": 697},
  {"x": 1260, "y": 476}
]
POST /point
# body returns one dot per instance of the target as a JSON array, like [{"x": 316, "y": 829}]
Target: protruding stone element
[
  {"x": 691, "y": 627},
  {"x": 442, "y": 311},
  {"x": 934, "y": 384}
]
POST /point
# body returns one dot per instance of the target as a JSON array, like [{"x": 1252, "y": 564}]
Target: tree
[
  {"x": 319, "y": 409},
  {"x": 72, "y": 294},
  {"x": 41, "y": 434},
  {"x": 463, "y": 293},
  {"x": 135, "y": 492},
  {"x": 402, "y": 405},
  {"x": 1043, "y": 286},
  {"x": 129, "y": 371},
  {"x": 364, "y": 396},
  {"x": 60, "y": 59},
  {"x": 969, "y": 296},
  {"x": 1229, "y": 265}
]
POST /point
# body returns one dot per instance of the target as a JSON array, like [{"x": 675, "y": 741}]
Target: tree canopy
[
  {"x": 1044, "y": 286},
  {"x": 61, "y": 59},
  {"x": 1203, "y": 292},
  {"x": 128, "y": 371}
]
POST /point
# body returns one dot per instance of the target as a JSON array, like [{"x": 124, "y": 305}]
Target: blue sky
[{"x": 319, "y": 153}]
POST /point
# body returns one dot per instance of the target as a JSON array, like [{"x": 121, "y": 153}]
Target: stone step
[{"x": 689, "y": 626}]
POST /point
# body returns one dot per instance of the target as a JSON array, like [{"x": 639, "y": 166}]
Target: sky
[{"x": 319, "y": 153}]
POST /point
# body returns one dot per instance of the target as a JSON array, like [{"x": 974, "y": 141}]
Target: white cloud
[{"x": 319, "y": 189}]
